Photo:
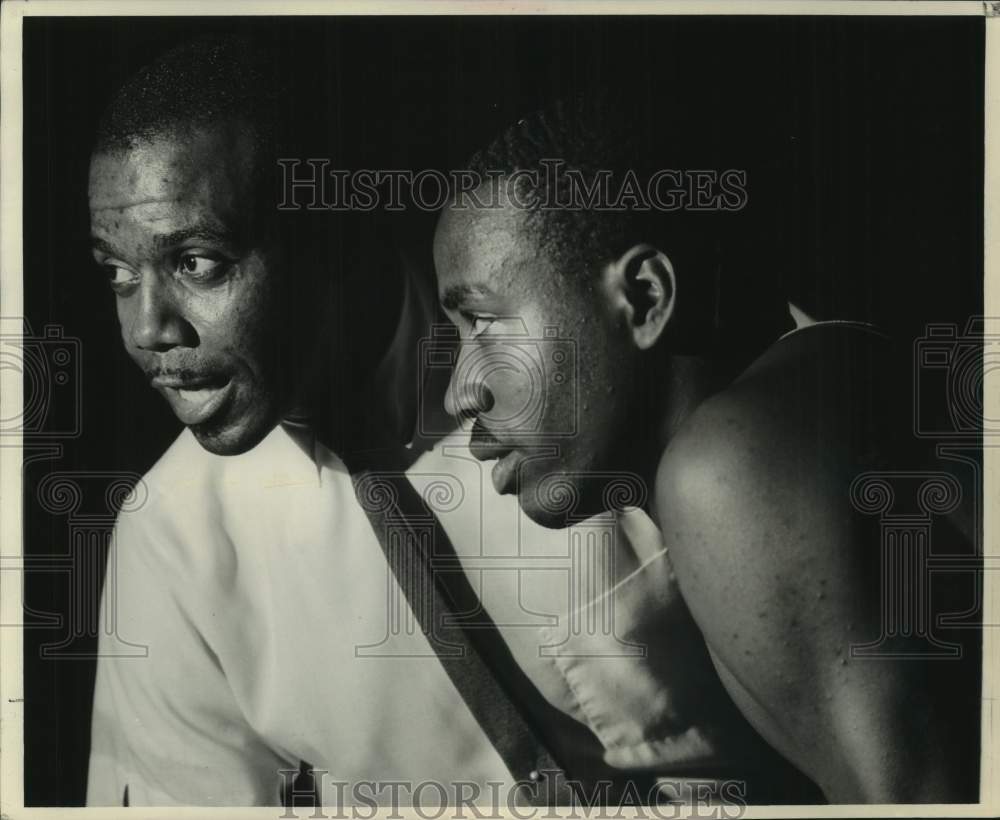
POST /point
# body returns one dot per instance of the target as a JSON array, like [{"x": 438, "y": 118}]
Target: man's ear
[{"x": 642, "y": 285}]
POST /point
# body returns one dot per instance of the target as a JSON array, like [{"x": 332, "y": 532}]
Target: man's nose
[
  {"x": 467, "y": 395},
  {"x": 158, "y": 323}
]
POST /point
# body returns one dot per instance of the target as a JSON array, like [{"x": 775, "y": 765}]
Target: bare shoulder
[
  {"x": 753, "y": 492},
  {"x": 779, "y": 570},
  {"x": 813, "y": 411}
]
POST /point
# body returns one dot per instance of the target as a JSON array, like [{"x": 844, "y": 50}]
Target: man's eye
[
  {"x": 120, "y": 277},
  {"x": 201, "y": 267},
  {"x": 480, "y": 324}
]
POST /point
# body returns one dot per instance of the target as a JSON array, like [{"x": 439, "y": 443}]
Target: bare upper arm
[{"x": 782, "y": 576}]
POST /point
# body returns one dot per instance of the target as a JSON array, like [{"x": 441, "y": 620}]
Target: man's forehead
[
  {"x": 485, "y": 248},
  {"x": 198, "y": 164}
]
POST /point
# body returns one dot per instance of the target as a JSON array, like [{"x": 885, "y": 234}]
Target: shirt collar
[{"x": 302, "y": 432}]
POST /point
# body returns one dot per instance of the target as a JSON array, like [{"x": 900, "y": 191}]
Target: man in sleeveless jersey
[{"x": 606, "y": 347}]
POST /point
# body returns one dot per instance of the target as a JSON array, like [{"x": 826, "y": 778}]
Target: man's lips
[
  {"x": 485, "y": 447},
  {"x": 196, "y": 399},
  {"x": 485, "y": 451}
]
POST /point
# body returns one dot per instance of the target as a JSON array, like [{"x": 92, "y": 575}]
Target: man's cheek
[
  {"x": 517, "y": 401},
  {"x": 212, "y": 309},
  {"x": 240, "y": 316},
  {"x": 220, "y": 322},
  {"x": 126, "y": 319}
]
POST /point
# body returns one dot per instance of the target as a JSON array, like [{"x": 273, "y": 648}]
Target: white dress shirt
[
  {"x": 251, "y": 623},
  {"x": 255, "y": 582}
]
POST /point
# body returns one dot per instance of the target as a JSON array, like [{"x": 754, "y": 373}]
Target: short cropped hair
[
  {"x": 255, "y": 82},
  {"x": 620, "y": 134},
  {"x": 203, "y": 81}
]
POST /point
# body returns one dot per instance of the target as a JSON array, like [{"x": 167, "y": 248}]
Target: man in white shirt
[
  {"x": 251, "y": 573},
  {"x": 277, "y": 635},
  {"x": 255, "y": 582}
]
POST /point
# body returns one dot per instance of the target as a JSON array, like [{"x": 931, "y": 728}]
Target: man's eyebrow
[
  {"x": 199, "y": 230},
  {"x": 455, "y": 295},
  {"x": 99, "y": 244}
]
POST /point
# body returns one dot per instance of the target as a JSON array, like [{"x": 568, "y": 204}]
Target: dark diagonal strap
[{"x": 425, "y": 565}]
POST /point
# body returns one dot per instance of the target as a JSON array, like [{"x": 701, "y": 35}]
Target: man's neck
[
  {"x": 686, "y": 382},
  {"x": 690, "y": 380}
]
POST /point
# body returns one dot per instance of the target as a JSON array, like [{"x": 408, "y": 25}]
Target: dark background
[{"x": 862, "y": 138}]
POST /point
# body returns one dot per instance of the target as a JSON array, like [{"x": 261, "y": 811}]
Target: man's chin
[
  {"x": 544, "y": 517},
  {"x": 552, "y": 502},
  {"x": 232, "y": 439},
  {"x": 562, "y": 498}
]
